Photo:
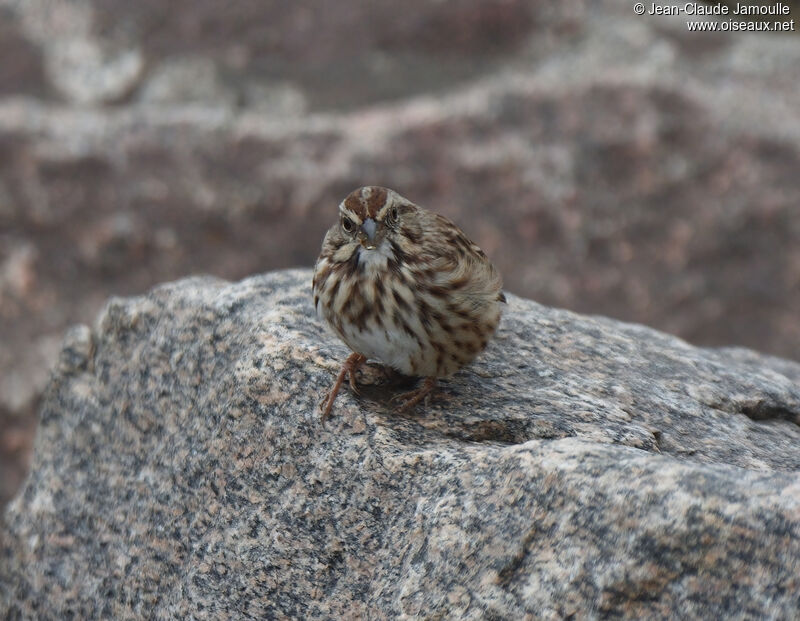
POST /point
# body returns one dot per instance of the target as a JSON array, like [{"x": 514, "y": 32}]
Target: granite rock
[
  {"x": 582, "y": 466},
  {"x": 609, "y": 163}
]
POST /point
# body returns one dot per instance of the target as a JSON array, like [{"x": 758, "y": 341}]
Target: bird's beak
[{"x": 367, "y": 234}]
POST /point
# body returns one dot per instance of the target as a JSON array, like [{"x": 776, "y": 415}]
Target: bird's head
[{"x": 371, "y": 215}]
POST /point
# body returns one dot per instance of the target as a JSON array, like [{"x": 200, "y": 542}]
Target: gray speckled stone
[{"x": 581, "y": 466}]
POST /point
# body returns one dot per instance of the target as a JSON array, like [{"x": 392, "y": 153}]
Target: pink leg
[
  {"x": 350, "y": 366},
  {"x": 415, "y": 396}
]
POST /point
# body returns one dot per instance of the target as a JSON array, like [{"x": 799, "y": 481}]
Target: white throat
[{"x": 374, "y": 260}]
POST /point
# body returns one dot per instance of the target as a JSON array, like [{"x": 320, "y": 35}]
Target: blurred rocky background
[{"x": 608, "y": 163}]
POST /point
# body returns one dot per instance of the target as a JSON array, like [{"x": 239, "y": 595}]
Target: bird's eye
[
  {"x": 347, "y": 224},
  {"x": 394, "y": 214}
]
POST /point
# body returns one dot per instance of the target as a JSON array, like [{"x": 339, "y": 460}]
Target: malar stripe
[{"x": 405, "y": 258}]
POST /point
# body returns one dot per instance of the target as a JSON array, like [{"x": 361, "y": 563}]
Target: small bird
[{"x": 404, "y": 286}]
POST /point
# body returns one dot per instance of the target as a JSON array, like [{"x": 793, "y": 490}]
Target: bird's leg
[
  {"x": 415, "y": 396},
  {"x": 351, "y": 376},
  {"x": 350, "y": 366}
]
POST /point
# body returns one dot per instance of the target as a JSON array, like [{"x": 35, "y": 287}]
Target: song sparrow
[{"x": 404, "y": 286}]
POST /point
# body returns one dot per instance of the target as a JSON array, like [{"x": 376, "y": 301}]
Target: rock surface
[
  {"x": 581, "y": 467},
  {"x": 609, "y": 163}
]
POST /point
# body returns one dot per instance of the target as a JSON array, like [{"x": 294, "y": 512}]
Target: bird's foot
[{"x": 349, "y": 368}]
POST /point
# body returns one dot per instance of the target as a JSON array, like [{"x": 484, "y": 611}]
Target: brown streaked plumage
[{"x": 404, "y": 286}]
